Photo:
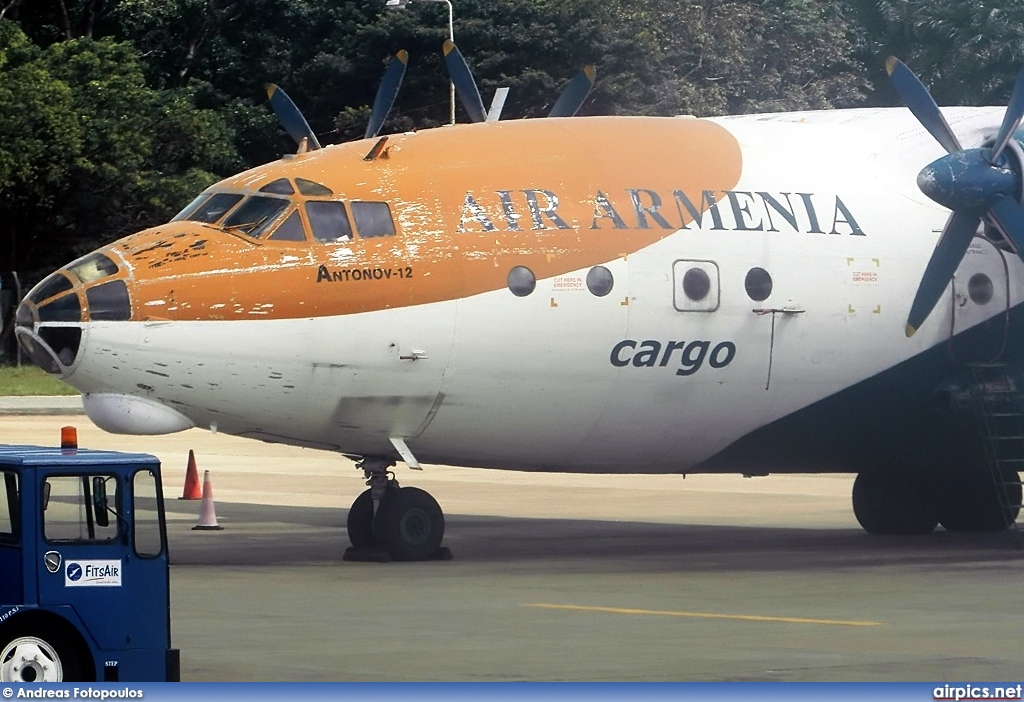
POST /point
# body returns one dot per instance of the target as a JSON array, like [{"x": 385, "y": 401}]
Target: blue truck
[{"x": 84, "y": 578}]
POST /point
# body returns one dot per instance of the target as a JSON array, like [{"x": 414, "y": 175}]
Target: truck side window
[
  {"x": 148, "y": 535},
  {"x": 9, "y": 509},
  {"x": 73, "y": 512}
]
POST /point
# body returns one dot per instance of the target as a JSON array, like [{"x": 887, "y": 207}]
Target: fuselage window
[
  {"x": 329, "y": 220},
  {"x": 980, "y": 289},
  {"x": 696, "y": 284},
  {"x": 600, "y": 281},
  {"x": 758, "y": 284},
  {"x": 312, "y": 189},
  {"x": 373, "y": 219},
  {"x": 212, "y": 209},
  {"x": 290, "y": 229},
  {"x": 521, "y": 281},
  {"x": 281, "y": 186},
  {"x": 256, "y": 215}
]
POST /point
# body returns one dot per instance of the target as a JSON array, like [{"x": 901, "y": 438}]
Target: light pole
[{"x": 401, "y": 5}]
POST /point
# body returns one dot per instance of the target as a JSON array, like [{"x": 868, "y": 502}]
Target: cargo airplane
[{"x": 755, "y": 294}]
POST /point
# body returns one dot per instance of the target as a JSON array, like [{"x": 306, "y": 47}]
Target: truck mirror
[{"x": 99, "y": 501}]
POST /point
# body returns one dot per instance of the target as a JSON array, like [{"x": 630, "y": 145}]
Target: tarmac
[{"x": 561, "y": 577}]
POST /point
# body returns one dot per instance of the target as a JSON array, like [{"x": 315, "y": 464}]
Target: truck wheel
[{"x": 45, "y": 657}]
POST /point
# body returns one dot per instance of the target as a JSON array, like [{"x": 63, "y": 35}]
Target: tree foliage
[{"x": 114, "y": 113}]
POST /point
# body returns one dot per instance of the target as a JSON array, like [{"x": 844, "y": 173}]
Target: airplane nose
[{"x": 50, "y": 321}]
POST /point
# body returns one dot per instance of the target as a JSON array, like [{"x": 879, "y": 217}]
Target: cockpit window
[
  {"x": 281, "y": 186},
  {"x": 109, "y": 302},
  {"x": 373, "y": 219},
  {"x": 329, "y": 220},
  {"x": 290, "y": 229},
  {"x": 93, "y": 268},
  {"x": 54, "y": 285},
  {"x": 63, "y": 309},
  {"x": 312, "y": 189},
  {"x": 256, "y": 215},
  {"x": 210, "y": 210}
]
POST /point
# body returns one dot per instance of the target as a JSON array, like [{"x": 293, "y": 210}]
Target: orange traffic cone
[
  {"x": 207, "y": 517},
  {"x": 191, "y": 491}
]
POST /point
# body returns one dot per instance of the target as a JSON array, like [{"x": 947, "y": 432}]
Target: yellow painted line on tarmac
[{"x": 704, "y": 615}]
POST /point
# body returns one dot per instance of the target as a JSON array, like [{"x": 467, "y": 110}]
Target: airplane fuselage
[{"x": 590, "y": 294}]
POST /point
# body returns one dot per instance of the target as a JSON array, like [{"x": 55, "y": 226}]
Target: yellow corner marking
[
  {"x": 878, "y": 309},
  {"x": 553, "y": 303},
  {"x": 551, "y": 257},
  {"x": 625, "y": 302},
  {"x": 878, "y": 262},
  {"x": 706, "y": 615},
  {"x": 851, "y": 309},
  {"x": 849, "y": 262},
  {"x": 625, "y": 256}
]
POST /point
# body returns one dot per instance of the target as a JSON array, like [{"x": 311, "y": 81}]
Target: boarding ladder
[{"x": 997, "y": 394}]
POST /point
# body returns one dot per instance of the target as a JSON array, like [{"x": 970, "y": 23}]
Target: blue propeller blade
[
  {"x": 290, "y": 117},
  {"x": 386, "y": 93},
  {"x": 953, "y": 244},
  {"x": 1011, "y": 120},
  {"x": 915, "y": 96},
  {"x": 571, "y": 99},
  {"x": 465, "y": 86},
  {"x": 1008, "y": 216}
]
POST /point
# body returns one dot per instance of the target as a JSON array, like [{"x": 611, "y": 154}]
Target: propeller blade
[
  {"x": 1011, "y": 120},
  {"x": 949, "y": 251},
  {"x": 290, "y": 117},
  {"x": 572, "y": 97},
  {"x": 465, "y": 86},
  {"x": 915, "y": 96},
  {"x": 387, "y": 92},
  {"x": 1008, "y": 217}
]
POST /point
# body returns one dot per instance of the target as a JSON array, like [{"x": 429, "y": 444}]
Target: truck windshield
[
  {"x": 80, "y": 508},
  {"x": 9, "y": 509}
]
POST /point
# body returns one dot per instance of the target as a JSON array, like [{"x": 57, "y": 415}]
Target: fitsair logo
[{"x": 92, "y": 574}]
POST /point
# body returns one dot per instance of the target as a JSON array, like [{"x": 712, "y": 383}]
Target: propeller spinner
[{"x": 976, "y": 184}]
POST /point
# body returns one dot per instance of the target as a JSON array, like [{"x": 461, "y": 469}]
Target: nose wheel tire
[
  {"x": 26, "y": 658},
  {"x": 409, "y": 524}
]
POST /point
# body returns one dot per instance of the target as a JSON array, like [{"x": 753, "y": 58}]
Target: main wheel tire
[
  {"x": 897, "y": 503},
  {"x": 409, "y": 524},
  {"x": 360, "y": 521},
  {"x": 972, "y": 502},
  {"x": 38, "y": 653}
]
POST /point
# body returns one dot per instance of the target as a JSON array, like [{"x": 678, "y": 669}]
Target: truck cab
[{"x": 84, "y": 586}]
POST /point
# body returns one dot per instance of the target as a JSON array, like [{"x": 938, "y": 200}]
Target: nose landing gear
[{"x": 389, "y": 522}]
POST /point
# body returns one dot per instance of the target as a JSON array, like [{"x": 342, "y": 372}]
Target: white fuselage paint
[{"x": 529, "y": 383}]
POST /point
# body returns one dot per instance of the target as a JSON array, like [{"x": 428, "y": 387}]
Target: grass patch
[{"x": 30, "y": 380}]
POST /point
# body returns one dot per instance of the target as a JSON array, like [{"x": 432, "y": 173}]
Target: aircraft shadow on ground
[{"x": 269, "y": 535}]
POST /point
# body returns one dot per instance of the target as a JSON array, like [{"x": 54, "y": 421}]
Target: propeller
[
  {"x": 976, "y": 184},
  {"x": 567, "y": 105},
  {"x": 465, "y": 86},
  {"x": 572, "y": 97},
  {"x": 291, "y": 118},
  {"x": 387, "y": 92}
]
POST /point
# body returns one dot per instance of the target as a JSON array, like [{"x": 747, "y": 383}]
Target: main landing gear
[
  {"x": 905, "y": 502},
  {"x": 388, "y": 522}
]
